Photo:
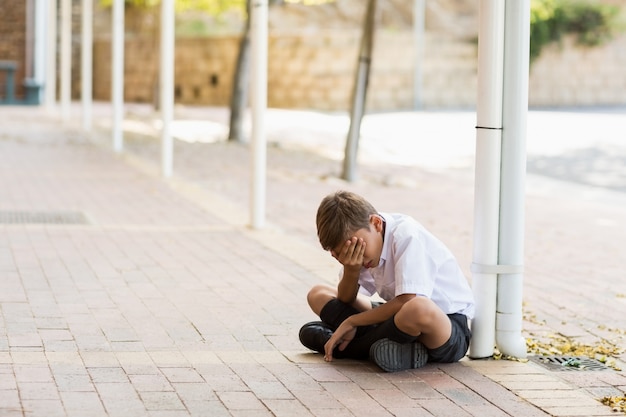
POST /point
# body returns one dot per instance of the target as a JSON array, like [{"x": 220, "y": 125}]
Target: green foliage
[
  {"x": 592, "y": 23},
  {"x": 212, "y": 7}
]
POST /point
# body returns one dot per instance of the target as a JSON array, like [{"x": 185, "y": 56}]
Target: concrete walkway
[{"x": 123, "y": 294}]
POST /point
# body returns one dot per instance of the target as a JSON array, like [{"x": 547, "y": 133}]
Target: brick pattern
[{"x": 164, "y": 305}]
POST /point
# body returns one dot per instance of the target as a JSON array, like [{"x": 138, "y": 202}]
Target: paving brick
[
  {"x": 151, "y": 382},
  {"x": 198, "y": 407},
  {"x": 415, "y": 411},
  {"x": 325, "y": 373},
  {"x": 38, "y": 391},
  {"x": 161, "y": 400},
  {"x": 578, "y": 411},
  {"x": 286, "y": 407},
  {"x": 52, "y": 408},
  {"x": 35, "y": 373},
  {"x": 241, "y": 400},
  {"x": 536, "y": 385},
  {"x": 181, "y": 375},
  {"x": 485, "y": 410},
  {"x": 9, "y": 399},
  {"x": 108, "y": 374},
  {"x": 316, "y": 399},
  {"x": 418, "y": 389},
  {"x": 443, "y": 408},
  {"x": 581, "y": 401},
  {"x": 538, "y": 394},
  {"x": 389, "y": 398},
  {"x": 85, "y": 402}
]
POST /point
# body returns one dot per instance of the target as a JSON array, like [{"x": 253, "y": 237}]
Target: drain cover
[
  {"x": 43, "y": 217},
  {"x": 569, "y": 363}
]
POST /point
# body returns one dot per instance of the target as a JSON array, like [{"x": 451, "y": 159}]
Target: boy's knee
[
  {"x": 319, "y": 295},
  {"x": 420, "y": 311},
  {"x": 320, "y": 290}
]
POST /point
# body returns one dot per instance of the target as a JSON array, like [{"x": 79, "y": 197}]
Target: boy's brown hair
[{"x": 340, "y": 215}]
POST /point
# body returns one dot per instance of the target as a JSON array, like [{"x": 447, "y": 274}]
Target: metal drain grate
[
  {"x": 43, "y": 217},
  {"x": 569, "y": 363}
]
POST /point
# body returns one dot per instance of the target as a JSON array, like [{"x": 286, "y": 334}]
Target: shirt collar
[{"x": 384, "y": 254}]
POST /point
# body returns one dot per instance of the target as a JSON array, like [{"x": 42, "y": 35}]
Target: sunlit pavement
[{"x": 164, "y": 302}]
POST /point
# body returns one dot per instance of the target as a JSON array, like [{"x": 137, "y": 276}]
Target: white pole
[
  {"x": 509, "y": 337},
  {"x": 167, "y": 85},
  {"x": 487, "y": 175},
  {"x": 51, "y": 57},
  {"x": 259, "y": 105},
  {"x": 86, "y": 64},
  {"x": 117, "y": 74},
  {"x": 39, "y": 65},
  {"x": 419, "y": 30},
  {"x": 66, "y": 58}
]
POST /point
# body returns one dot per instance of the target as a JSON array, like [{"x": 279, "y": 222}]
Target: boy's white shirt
[{"x": 413, "y": 261}]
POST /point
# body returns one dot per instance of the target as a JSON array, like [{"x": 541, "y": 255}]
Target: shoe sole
[{"x": 393, "y": 356}]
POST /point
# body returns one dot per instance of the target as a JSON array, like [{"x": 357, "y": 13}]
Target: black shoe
[
  {"x": 393, "y": 356},
  {"x": 315, "y": 334}
]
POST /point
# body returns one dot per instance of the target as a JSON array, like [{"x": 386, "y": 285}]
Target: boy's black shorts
[
  {"x": 335, "y": 312},
  {"x": 456, "y": 347}
]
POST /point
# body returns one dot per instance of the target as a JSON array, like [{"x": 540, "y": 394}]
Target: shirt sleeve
[{"x": 415, "y": 269}]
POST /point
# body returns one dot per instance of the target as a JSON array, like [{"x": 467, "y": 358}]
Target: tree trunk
[
  {"x": 239, "y": 96},
  {"x": 359, "y": 93}
]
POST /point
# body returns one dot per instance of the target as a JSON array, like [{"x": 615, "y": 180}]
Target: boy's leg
[
  {"x": 360, "y": 346},
  {"x": 322, "y": 300},
  {"x": 422, "y": 318},
  {"x": 446, "y": 337},
  {"x": 320, "y": 295},
  {"x": 458, "y": 343}
]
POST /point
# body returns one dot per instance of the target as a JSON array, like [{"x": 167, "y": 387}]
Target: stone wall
[
  {"x": 316, "y": 71},
  {"x": 304, "y": 71},
  {"x": 570, "y": 75},
  {"x": 13, "y": 42}
]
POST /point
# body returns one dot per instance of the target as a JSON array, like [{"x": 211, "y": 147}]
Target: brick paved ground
[{"x": 165, "y": 304}]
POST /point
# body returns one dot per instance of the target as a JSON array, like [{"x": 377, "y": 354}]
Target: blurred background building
[{"x": 312, "y": 57}]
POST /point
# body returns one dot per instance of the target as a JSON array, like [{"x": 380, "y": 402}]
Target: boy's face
[{"x": 364, "y": 247}]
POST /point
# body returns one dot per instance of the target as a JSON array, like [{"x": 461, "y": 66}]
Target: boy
[{"x": 428, "y": 300}]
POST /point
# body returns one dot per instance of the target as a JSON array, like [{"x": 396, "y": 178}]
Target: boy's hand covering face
[{"x": 351, "y": 253}]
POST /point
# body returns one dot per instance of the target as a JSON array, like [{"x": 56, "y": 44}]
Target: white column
[
  {"x": 39, "y": 66},
  {"x": 509, "y": 337},
  {"x": 86, "y": 63},
  {"x": 117, "y": 74},
  {"x": 487, "y": 175},
  {"x": 66, "y": 58},
  {"x": 166, "y": 85},
  {"x": 259, "y": 105}
]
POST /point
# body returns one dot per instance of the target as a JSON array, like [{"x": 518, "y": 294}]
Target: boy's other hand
[{"x": 341, "y": 337}]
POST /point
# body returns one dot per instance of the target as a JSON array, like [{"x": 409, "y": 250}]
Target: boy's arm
[
  {"x": 348, "y": 286},
  {"x": 381, "y": 313}
]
